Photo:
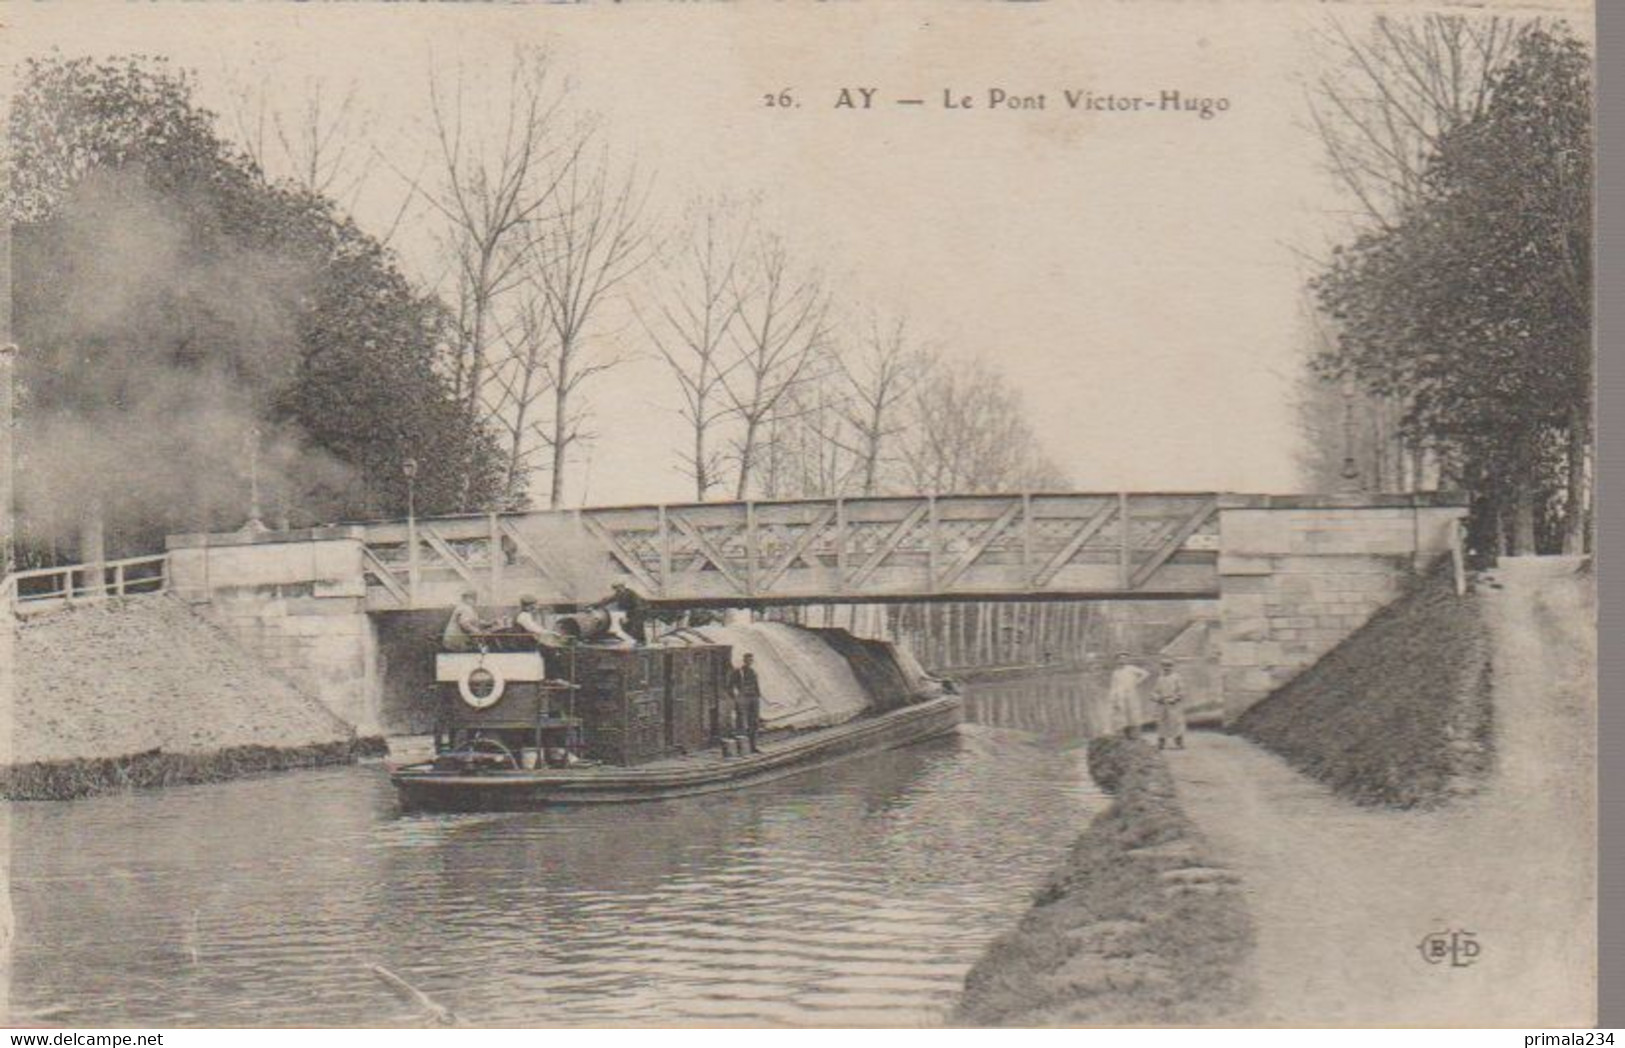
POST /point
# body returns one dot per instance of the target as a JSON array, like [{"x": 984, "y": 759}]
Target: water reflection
[
  {"x": 857, "y": 894},
  {"x": 1059, "y": 704}
]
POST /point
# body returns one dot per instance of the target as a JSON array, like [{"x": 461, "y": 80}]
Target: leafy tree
[
  {"x": 1475, "y": 306},
  {"x": 175, "y": 308}
]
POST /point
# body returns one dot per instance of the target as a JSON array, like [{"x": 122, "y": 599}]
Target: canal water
[{"x": 858, "y": 894}]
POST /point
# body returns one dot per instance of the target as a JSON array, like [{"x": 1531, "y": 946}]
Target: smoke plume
[{"x": 153, "y": 349}]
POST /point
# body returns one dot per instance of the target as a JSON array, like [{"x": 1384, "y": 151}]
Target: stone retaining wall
[
  {"x": 1297, "y": 575},
  {"x": 298, "y": 601}
]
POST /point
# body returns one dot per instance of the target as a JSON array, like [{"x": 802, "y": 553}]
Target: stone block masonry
[
  {"x": 295, "y": 599},
  {"x": 1298, "y": 574}
]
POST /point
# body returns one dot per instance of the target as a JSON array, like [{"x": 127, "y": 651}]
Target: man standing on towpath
[
  {"x": 1124, "y": 696},
  {"x": 1169, "y": 694}
]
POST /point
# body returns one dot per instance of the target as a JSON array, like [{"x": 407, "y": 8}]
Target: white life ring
[{"x": 467, "y": 682}]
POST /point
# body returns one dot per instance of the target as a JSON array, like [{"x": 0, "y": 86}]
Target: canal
[{"x": 858, "y": 894}]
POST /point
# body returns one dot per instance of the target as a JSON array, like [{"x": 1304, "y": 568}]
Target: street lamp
[
  {"x": 254, "y": 523},
  {"x": 8, "y": 517},
  {"x": 409, "y": 469},
  {"x": 1351, "y": 467}
]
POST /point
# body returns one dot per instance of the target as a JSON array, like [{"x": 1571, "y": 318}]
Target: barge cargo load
[{"x": 655, "y": 722}]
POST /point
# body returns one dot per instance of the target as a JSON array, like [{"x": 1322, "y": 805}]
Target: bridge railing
[
  {"x": 887, "y": 547},
  {"x": 74, "y": 583}
]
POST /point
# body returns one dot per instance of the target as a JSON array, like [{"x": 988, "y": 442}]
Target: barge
[{"x": 632, "y": 724}]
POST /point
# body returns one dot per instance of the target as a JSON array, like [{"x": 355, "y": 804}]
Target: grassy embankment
[
  {"x": 1137, "y": 927},
  {"x": 1399, "y": 714},
  {"x": 140, "y": 692},
  {"x": 84, "y": 777}
]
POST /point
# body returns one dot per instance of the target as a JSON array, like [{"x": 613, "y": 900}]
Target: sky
[{"x": 1137, "y": 275}]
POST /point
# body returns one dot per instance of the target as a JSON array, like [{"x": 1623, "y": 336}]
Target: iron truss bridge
[{"x": 953, "y": 547}]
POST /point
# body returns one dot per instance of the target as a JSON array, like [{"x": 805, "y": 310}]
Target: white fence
[{"x": 75, "y": 583}]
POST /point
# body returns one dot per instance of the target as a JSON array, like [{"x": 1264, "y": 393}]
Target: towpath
[{"x": 1342, "y": 896}]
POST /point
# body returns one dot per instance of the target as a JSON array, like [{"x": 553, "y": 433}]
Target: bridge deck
[{"x": 1140, "y": 546}]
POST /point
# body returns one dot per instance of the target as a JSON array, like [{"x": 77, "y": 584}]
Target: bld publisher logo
[{"x": 1458, "y": 949}]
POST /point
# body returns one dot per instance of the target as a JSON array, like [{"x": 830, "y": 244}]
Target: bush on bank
[
  {"x": 72, "y": 779},
  {"x": 1399, "y": 714},
  {"x": 1137, "y": 927}
]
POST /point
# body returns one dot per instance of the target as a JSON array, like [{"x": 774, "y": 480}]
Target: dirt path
[{"x": 1343, "y": 896}]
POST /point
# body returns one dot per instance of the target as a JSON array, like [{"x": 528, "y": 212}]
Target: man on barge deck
[
  {"x": 746, "y": 691},
  {"x": 549, "y": 642},
  {"x": 633, "y": 609},
  {"x": 464, "y": 625}
]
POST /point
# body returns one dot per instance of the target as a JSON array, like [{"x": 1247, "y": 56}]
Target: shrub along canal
[{"x": 861, "y": 893}]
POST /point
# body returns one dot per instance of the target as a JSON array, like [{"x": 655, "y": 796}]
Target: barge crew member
[
  {"x": 1124, "y": 695},
  {"x": 746, "y": 691},
  {"x": 1169, "y": 694},
  {"x": 548, "y": 641},
  {"x": 633, "y": 608},
  {"x": 464, "y": 625}
]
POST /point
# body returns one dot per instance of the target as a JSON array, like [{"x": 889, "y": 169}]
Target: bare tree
[
  {"x": 969, "y": 433},
  {"x": 1350, "y": 435},
  {"x": 1386, "y": 99},
  {"x": 495, "y": 187},
  {"x": 811, "y": 451},
  {"x": 520, "y": 384},
  {"x": 594, "y": 242},
  {"x": 782, "y": 330},
  {"x": 880, "y": 376},
  {"x": 320, "y": 144},
  {"x": 694, "y": 311}
]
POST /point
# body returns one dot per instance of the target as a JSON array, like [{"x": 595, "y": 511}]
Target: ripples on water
[{"x": 858, "y": 894}]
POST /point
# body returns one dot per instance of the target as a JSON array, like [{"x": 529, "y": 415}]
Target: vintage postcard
[{"x": 741, "y": 515}]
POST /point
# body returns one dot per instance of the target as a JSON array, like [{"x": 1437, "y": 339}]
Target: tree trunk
[
  {"x": 702, "y": 479},
  {"x": 561, "y": 442},
  {"x": 1576, "y": 524},
  {"x": 747, "y": 452},
  {"x": 1523, "y": 519}
]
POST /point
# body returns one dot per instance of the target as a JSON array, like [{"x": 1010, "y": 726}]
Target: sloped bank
[
  {"x": 70, "y": 779},
  {"x": 141, "y": 691},
  {"x": 1137, "y": 928},
  {"x": 1399, "y": 713}
]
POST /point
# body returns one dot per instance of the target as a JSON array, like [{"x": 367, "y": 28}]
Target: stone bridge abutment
[{"x": 1298, "y": 574}]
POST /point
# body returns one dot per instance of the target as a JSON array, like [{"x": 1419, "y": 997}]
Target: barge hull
[{"x": 422, "y": 789}]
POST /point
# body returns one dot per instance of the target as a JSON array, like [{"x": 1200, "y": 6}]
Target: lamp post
[
  {"x": 254, "y": 523},
  {"x": 409, "y": 469},
  {"x": 8, "y": 517},
  {"x": 1351, "y": 466}
]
